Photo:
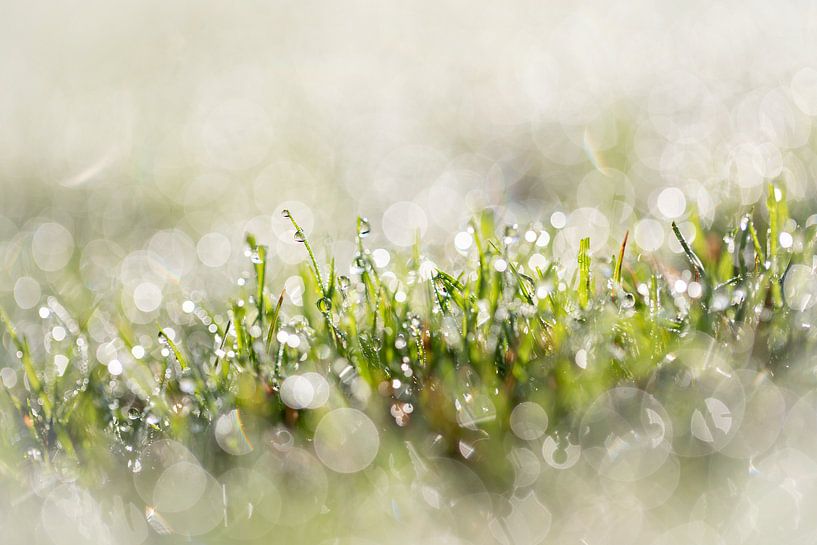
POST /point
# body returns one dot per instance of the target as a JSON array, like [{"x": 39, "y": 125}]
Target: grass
[{"x": 425, "y": 352}]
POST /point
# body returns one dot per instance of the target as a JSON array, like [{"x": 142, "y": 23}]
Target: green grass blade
[
  {"x": 584, "y": 272},
  {"x": 300, "y": 236},
  {"x": 620, "y": 260},
  {"x": 691, "y": 256},
  {"x": 274, "y": 320},
  {"x": 164, "y": 338}
]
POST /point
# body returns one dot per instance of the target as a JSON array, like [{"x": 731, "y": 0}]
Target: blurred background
[{"x": 139, "y": 141}]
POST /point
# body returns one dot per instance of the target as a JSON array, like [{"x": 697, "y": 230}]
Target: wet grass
[{"x": 428, "y": 354}]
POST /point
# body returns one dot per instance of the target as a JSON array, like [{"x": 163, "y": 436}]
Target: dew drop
[
  {"x": 324, "y": 304},
  {"x": 628, "y": 301},
  {"x": 363, "y": 227},
  {"x": 299, "y": 236}
]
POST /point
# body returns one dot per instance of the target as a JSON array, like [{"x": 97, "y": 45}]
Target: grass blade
[
  {"x": 620, "y": 260},
  {"x": 274, "y": 320},
  {"x": 692, "y": 257},
  {"x": 584, "y": 273}
]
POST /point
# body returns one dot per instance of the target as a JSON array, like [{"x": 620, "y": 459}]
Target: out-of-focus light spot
[
  {"x": 294, "y": 286},
  {"x": 213, "y": 249},
  {"x": 804, "y": 90},
  {"x": 8, "y": 376},
  {"x": 748, "y": 165},
  {"x": 403, "y": 222},
  {"x": 138, "y": 351},
  {"x": 558, "y": 220},
  {"x": 115, "y": 367},
  {"x": 297, "y": 392},
  {"x": 537, "y": 261},
  {"x": 500, "y": 265},
  {"x": 58, "y": 333},
  {"x": 530, "y": 236},
  {"x": 427, "y": 269},
  {"x": 60, "y": 364},
  {"x": 463, "y": 241},
  {"x": 231, "y": 435},
  {"x": 543, "y": 240},
  {"x": 786, "y": 240},
  {"x": 171, "y": 254},
  {"x": 26, "y": 292},
  {"x": 180, "y": 486},
  {"x": 381, "y": 257},
  {"x": 188, "y": 306},
  {"x": 320, "y": 389},
  {"x": 529, "y": 421},
  {"x": 473, "y": 410},
  {"x": 672, "y": 203},
  {"x": 680, "y": 286},
  {"x": 649, "y": 234},
  {"x": 694, "y": 290},
  {"x": 581, "y": 358},
  {"x": 44, "y": 312},
  {"x": 560, "y": 452},
  {"x": 800, "y": 287},
  {"x": 52, "y": 246},
  {"x": 636, "y": 445},
  {"x": 147, "y": 296},
  {"x": 346, "y": 440}
]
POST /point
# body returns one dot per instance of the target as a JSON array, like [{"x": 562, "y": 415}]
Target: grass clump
[{"x": 427, "y": 354}]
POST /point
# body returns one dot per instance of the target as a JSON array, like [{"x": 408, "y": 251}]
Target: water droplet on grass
[
  {"x": 285, "y": 213},
  {"x": 358, "y": 265},
  {"x": 324, "y": 304},
  {"x": 363, "y": 228},
  {"x": 511, "y": 234},
  {"x": 299, "y": 236},
  {"x": 628, "y": 301}
]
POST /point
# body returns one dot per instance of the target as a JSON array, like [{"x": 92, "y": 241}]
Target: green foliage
[{"x": 415, "y": 334}]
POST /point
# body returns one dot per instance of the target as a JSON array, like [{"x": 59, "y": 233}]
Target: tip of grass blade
[
  {"x": 274, "y": 321},
  {"x": 692, "y": 257},
  {"x": 164, "y": 338},
  {"x": 620, "y": 260}
]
